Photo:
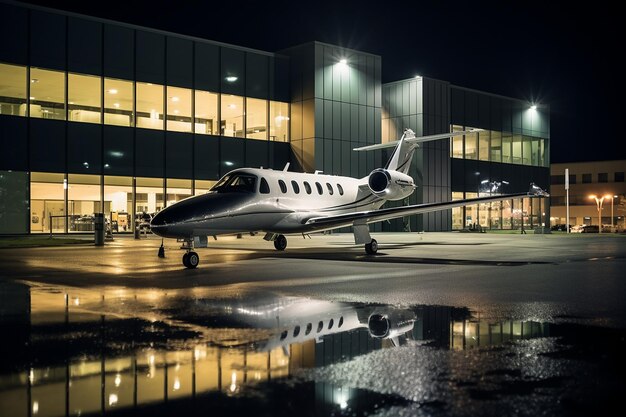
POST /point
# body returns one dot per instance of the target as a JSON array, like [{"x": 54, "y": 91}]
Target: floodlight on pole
[{"x": 599, "y": 202}]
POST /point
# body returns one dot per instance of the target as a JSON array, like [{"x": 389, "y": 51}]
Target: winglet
[
  {"x": 286, "y": 168},
  {"x": 537, "y": 191}
]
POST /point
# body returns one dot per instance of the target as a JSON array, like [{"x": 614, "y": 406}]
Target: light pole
[
  {"x": 612, "y": 197},
  {"x": 599, "y": 205}
]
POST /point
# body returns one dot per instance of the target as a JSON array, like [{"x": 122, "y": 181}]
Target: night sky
[{"x": 560, "y": 55}]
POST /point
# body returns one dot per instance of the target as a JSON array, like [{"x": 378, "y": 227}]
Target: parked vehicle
[
  {"x": 560, "y": 228},
  {"x": 590, "y": 228}
]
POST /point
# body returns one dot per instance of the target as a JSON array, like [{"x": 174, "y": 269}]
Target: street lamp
[
  {"x": 612, "y": 197},
  {"x": 599, "y": 202}
]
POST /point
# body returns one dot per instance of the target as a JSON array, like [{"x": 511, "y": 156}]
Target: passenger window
[
  {"x": 296, "y": 331},
  {"x": 340, "y": 322},
  {"x": 283, "y": 186},
  {"x": 340, "y": 188},
  {"x": 307, "y": 187},
  {"x": 309, "y": 327},
  {"x": 330, "y": 324},
  {"x": 296, "y": 187},
  {"x": 330, "y": 188},
  {"x": 320, "y": 326},
  {"x": 320, "y": 191},
  {"x": 264, "y": 188}
]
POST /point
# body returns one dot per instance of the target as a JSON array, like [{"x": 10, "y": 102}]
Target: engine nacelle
[
  {"x": 390, "y": 185},
  {"x": 387, "y": 325}
]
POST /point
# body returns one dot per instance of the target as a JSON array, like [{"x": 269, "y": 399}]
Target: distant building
[{"x": 586, "y": 179}]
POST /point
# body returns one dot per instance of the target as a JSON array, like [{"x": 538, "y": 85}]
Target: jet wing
[{"x": 373, "y": 216}]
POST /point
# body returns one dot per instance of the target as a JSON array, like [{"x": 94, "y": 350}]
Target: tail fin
[
  {"x": 405, "y": 147},
  {"x": 403, "y": 153}
]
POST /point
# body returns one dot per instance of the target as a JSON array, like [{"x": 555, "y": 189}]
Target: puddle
[{"x": 152, "y": 352}]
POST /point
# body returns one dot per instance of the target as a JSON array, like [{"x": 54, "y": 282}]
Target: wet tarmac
[{"x": 527, "y": 335}]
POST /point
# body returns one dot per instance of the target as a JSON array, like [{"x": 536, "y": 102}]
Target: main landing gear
[{"x": 372, "y": 247}]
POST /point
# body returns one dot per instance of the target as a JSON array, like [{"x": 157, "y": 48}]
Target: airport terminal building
[{"x": 99, "y": 116}]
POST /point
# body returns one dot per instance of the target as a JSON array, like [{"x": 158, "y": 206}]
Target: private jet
[{"x": 279, "y": 203}]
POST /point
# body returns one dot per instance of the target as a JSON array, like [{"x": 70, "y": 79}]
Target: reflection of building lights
[
  {"x": 151, "y": 359},
  {"x": 175, "y": 99},
  {"x": 116, "y": 105},
  {"x": 76, "y": 300},
  {"x": 343, "y": 405},
  {"x": 112, "y": 91},
  {"x": 32, "y": 98},
  {"x": 228, "y": 163},
  {"x": 176, "y": 111},
  {"x": 176, "y": 384},
  {"x": 233, "y": 381},
  {"x": 112, "y": 399},
  {"x": 231, "y": 106},
  {"x": 31, "y": 376},
  {"x": 231, "y": 79},
  {"x": 118, "y": 380},
  {"x": 533, "y": 107},
  {"x": 35, "y": 407}
]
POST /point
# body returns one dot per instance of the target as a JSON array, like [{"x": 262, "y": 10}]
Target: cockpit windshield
[{"x": 236, "y": 183}]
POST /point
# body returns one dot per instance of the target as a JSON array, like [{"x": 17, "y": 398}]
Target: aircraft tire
[
  {"x": 372, "y": 247},
  {"x": 186, "y": 260},
  {"x": 192, "y": 260},
  {"x": 280, "y": 243}
]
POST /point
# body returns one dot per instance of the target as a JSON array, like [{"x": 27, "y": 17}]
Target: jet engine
[
  {"x": 390, "y": 185},
  {"x": 388, "y": 325}
]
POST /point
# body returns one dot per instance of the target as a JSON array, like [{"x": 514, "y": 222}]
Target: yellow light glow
[
  {"x": 592, "y": 196},
  {"x": 175, "y": 99},
  {"x": 112, "y": 91},
  {"x": 233, "y": 381},
  {"x": 176, "y": 384},
  {"x": 112, "y": 399},
  {"x": 35, "y": 407},
  {"x": 118, "y": 380}
]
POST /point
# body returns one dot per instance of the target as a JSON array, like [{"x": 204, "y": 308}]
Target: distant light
[
  {"x": 35, "y": 407},
  {"x": 34, "y": 80},
  {"x": 176, "y": 111},
  {"x": 228, "y": 163},
  {"x": 533, "y": 107},
  {"x": 86, "y": 163},
  {"x": 176, "y": 384},
  {"x": 175, "y": 99},
  {"x": 116, "y": 105},
  {"x": 231, "y": 78},
  {"x": 107, "y": 165},
  {"x": 592, "y": 196},
  {"x": 32, "y": 98},
  {"x": 77, "y": 300},
  {"x": 118, "y": 380},
  {"x": 343, "y": 62},
  {"x": 112, "y": 91},
  {"x": 231, "y": 106},
  {"x": 343, "y": 405},
  {"x": 71, "y": 102},
  {"x": 112, "y": 399},
  {"x": 418, "y": 76}
]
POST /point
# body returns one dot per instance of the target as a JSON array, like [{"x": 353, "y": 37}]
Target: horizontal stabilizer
[{"x": 417, "y": 140}]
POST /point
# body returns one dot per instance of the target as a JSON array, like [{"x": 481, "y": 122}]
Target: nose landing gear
[{"x": 190, "y": 258}]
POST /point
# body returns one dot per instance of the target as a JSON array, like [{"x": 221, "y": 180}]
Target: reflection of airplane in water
[
  {"x": 82, "y": 353},
  {"x": 298, "y": 320}
]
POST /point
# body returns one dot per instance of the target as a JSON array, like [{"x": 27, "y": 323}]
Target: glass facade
[
  {"x": 232, "y": 116},
  {"x": 13, "y": 90},
  {"x": 206, "y": 113},
  {"x": 498, "y": 146},
  {"x": 47, "y": 94},
  {"x": 84, "y": 98},
  {"x": 505, "y": 214},
  {"x": 119, "y": 97},
  {"x": 179, "y": 109}
]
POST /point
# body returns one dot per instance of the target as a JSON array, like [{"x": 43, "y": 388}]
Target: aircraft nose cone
[{"x": 158, "y": 220}]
